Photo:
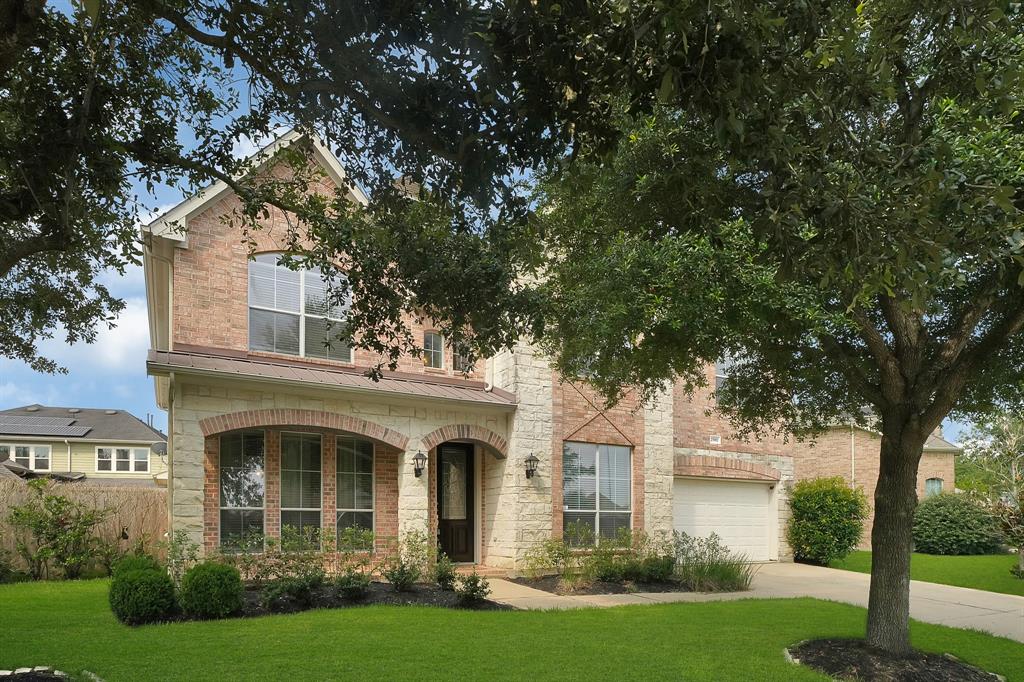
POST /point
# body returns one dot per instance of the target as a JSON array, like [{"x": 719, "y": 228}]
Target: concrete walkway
[{"x": 960, "y": 607}]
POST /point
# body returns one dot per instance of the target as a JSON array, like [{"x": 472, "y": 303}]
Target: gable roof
[
  {"x": 39, "y": 421},
  {"x": 173, "y": 224}
]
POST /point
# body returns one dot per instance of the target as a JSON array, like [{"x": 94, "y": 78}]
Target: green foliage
[
  {"x": 135, "y": 562},
  {"x": 142, "y": 596},
  {"x": 182, "y": 553},
  {"x": 954, "y": 524},
  {"x": 827, "y": 520},
  {"x": 211, "y": 590},
  {"x": 629, "y": 557},
  {"x": 406, "y": 563},
  {"x": 353, "y": 585},
  {"x": 472, "y": 589},
  {"x": 53, "y": 528},
  {"x": 292, "y": 591},
  {"x": 444, "y": 572},
  {"x": 261, "y": 560},
  {"x": 706, "y": 565}
]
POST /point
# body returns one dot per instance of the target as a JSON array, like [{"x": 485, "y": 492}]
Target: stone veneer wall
[
  {"x": 658, "y": 461},
  {"x": 194, "y": 399},
  {"x": 784, "y": 464}
]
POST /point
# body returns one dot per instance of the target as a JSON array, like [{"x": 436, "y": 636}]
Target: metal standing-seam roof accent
[{"x": 258, "y": 368}]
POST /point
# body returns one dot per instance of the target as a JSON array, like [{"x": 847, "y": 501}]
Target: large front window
[
  {"x": 35, "y": 457},
  {"x": 300, "y": 483},
  {"x": 290, "y": 312},
  {"x": 242, "y": 490},
  {"x": 355, "y": 484},
  {"x": 596, "y": 489}
]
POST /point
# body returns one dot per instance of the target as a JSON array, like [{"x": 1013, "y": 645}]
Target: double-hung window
[
  {"x": 723, "y": 369},
  {"x": 355, "y": 484},
  {"x": 300, "y": 483},
  {"x": 291, "y": 312},
  {"x": 35, "y": 457},
  {"x": 932, "y": 486},
  {"x": 242, "y": 490},
  {"x": 596, "y": 488},
  {"x": 433, "y": 350},
  {"x": 125, "y": 460}
]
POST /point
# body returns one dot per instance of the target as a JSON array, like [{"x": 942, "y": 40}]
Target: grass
[
  {"x": 989, "y": 572},
  {"x": 69, "y": 625}
]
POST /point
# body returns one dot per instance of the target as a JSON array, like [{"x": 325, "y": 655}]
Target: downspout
[
  {"x": 68, "y": 444},
  {"x": 489, "y": 375},
  {"x": 170, "y": 455}
]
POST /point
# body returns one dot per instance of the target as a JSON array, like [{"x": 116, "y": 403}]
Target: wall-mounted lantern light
[
  {"x": 419, "y": 461},
  {"x": 531, "y": 465}
]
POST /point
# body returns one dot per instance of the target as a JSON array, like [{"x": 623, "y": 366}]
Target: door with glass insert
[{"x": 455, "y": 501}]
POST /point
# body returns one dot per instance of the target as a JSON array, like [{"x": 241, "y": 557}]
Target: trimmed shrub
[
  {"x": 135, "y": 562},
  {"x": 292, "y": 592},
  {"x": 353, "y": 585},
  {"x": 444, "y": 572},
  {"x": 955, "y": 524},
  {"x": 406, "y": 564},
  {"x": 142, "y": 596},
  {"x": 827, "y": 521},
  {"x": 211, "y": 590},
  {"x": 472, "y": 589}
]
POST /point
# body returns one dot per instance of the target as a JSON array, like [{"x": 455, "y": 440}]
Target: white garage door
[{"x": 740, "y": 512}]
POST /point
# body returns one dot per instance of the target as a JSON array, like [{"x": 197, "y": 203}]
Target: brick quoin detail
[
  {"x": 252, "y": 419},
  {"x": 723, "y": 467},
  {"x": 465, "y": 432}
]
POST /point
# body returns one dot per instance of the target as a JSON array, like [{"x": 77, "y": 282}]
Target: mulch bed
[
  {"x": 378, "y": 594},
  {"x": 552, "y": 584},
  {"x": 852, "y": 659}
]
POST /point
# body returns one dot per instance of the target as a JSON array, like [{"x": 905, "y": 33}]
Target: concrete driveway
[{"x": 959, "y": 607}]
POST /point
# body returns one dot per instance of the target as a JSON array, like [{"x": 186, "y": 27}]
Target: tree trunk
[{"x": 891, "y": 543}]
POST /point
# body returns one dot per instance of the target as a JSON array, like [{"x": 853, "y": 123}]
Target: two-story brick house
[{"x": 270, "y": 427}]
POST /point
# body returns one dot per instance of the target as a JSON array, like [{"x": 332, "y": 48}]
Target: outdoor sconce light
[
  {"x": 419, "y": 461},
  {"x": 531, "y": 465}
]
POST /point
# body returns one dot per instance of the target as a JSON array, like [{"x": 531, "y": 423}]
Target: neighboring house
[
  {"x": 71, "y": 443},
  {"x": 853, "y": 453},
  {"x": 269, "y": 427}
]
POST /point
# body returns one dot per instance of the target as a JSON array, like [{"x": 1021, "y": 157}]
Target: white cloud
[
  {"x": 13, "y": 393},
  {"x": 246, "y": 146},
  {"x": 120, "y": 350}
]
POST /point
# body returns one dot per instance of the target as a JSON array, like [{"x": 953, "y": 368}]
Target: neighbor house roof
[
  {"x": 75, "y": 423},
  {"x": 256, "y": 368},
  {"x": 936, "y": 443}
]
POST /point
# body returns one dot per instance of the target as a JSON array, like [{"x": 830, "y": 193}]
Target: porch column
[{"x": 412, "y": 493}]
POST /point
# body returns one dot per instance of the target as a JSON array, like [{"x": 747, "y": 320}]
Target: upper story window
[
  {"x": 35, "y": 457},
  {"x": 933, "y": 486},
  {"x": 723, "y": 370},
  {"x": 433, "y": 350},
  {"x": 461, "y": 361},
  {"x": 289, "y": 312}
]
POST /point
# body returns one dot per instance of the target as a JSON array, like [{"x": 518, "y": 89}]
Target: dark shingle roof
[{"x": 74, "y": 422}]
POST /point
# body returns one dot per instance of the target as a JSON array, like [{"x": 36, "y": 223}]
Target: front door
[{"x": 455, "y": 500}]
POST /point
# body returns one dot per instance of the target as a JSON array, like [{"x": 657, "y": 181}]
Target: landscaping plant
[
  {"x": 706, "y": 565},
  {"x": 135, "y": 562},
  {"x": 408, "y": 561},
  {"x": 955, "y": 524},
  {"x": 211, "y": 590},
  {"x": 182, "y": 553},
  {"x": 472, "y": 589},
  {"x": 53, "y": 528},
  {"x": 444, "y": 572},
  {"x": 142, "y": 596},
  {"x": 827, "y": 520}
]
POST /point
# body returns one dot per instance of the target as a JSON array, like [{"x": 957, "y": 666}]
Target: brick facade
[{"x": 853, "y": 454}]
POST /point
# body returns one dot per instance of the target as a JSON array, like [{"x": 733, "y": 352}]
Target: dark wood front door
[{"x": 455, "y": 501}]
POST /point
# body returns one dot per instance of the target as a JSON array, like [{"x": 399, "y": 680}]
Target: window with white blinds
[
  {"x": 242, "y": 490},
  {"x": 300, "y": 482},
  {"x": 291, "y": 312},
  {"x": 597, "y": 488}
]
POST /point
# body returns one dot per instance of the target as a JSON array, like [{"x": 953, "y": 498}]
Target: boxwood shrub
[
  {"x": 955, "y": 524},
  {"x": 827, "y": 519},
  {"x": 211, "y": 590},
  {"x": 142, "y": 596},
  {"x": 135, "y": 562}
]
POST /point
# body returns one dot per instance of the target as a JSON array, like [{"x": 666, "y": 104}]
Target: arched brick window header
[
  {"x": 472, "y": 432},
  {"x": 250, "y": 419},
  {"x": 723, "y": 467}
]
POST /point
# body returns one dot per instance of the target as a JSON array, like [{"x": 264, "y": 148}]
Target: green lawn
[
  {"x": 988, "y": 572},
  {"x": 69, "y": 625}
]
